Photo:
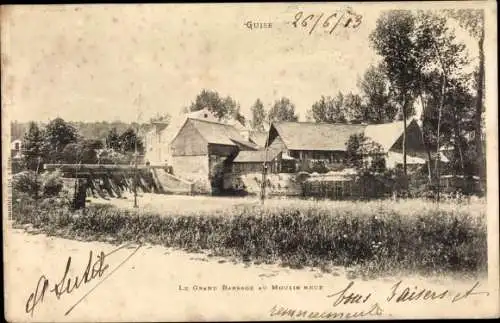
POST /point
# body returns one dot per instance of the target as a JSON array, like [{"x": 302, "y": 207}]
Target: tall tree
[
  {"x": 472, "y": 20},
  {"x": 84, "y": 152},
  {"x": 354, "y": 108},
  {"x": 258, "y": 115},
  {"x": 223, "y": 108},
  {"x": 113, "y": 139},
  {"x": 129, "y": 140},
  {"x": 374, "y": 87},
  {"x": 328, "y": 109},
  {"x": 393, "y": 39},
  {"x": 282, "y": 110},
  {"x": 33, "y": 146},
  {"x": 439, "y": 54},
  {"x": 58, "y": 134}
]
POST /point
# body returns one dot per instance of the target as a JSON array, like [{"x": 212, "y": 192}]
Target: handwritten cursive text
[{"x": 346, "y": 18}]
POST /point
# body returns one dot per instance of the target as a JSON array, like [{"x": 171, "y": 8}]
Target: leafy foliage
[
  {"x": 52, "y": 184},
  {"x": 364, "y": 154},
  {"x": 329, "y": 110},
  {"x": 58, "y": 134},
  {"x": 128, "y": 141},
  {"x": 282, "y": 110},
  {"x": 222, "y": 107},
  {"x": 258, "y": 115},
  {"x": 113, "y": 139},
  {"x": 33, "y": 147},
  {"x": 27, "y": 182},
  {"x": 374, "y": 86}
]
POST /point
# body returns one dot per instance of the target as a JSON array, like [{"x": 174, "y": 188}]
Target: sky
[{"x": 92, "y": 62}]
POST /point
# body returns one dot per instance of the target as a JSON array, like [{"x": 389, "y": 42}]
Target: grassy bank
[{"x": 375, "y": 237}]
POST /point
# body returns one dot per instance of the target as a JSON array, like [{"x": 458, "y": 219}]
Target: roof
[
  {"x": 333, "y": 137},
  {"x": 220, "y": 133},
  {"x": 259, "y": 137},
  {"x": 178, "y": 121},
  {"x": 386, "y": 134},
  {"x": 256, "y": 156},
  {"x": 316, "y": 136}
]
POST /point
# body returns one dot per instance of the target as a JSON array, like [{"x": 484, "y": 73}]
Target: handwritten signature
[
  {"x": 398, "y": 294},
  {"x": 346, "y": 18},
  {"x": 95, "y": 269}
]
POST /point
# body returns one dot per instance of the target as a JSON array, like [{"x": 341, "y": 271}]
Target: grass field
[
  {"x": 375, "y": 237},
  {"x": 183, "y": 204}
]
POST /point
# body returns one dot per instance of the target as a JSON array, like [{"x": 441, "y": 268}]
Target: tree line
[{"x": 60, "y": 142}]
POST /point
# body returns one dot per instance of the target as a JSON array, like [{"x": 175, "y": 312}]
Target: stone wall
[
  {"x": 193, "y": 169},
  {"x": 277, "y": 184}
]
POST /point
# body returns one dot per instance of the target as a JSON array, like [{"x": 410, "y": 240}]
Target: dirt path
[{"x": 147, "y": 286}]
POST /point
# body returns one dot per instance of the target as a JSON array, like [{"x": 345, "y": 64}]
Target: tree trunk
[
  {"x": 479, "y": 110},
  {"x": 427, "y": 149},
  {"x": 458, "y": 144},
  {"x": 404, "y": 137},
  {"x": 438, "y": 157}
]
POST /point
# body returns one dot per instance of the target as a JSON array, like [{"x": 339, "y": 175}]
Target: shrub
[
  {"x": 27, "y": 182},
  {"x": 52, "y": 184}
]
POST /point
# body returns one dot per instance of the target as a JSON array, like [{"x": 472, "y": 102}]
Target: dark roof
[
  {"x": 256, "y": 156},
  {"x": 333, "y": 137},
  {"x": 316, "y": 136},
  {"x": 220, "y": 133}
]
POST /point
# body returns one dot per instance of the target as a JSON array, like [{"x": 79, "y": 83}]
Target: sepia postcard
[{"x": 250, "y": 161}]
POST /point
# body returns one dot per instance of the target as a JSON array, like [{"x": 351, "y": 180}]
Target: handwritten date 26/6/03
[{"x": 327, "y": 22}]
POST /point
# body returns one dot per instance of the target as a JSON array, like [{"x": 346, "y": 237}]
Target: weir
[{"x": 111, "y": 181}]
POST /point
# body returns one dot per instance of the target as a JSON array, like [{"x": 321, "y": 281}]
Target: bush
[
  {"x": 52, "y": 184},
  {"x": 27, "y": 182}
]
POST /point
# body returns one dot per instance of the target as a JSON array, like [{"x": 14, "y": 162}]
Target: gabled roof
[
  {"x": 256, "y": 156},
  {"x": 333, "y": 137},
  {"x": 258, "y": 137},
  {"x": 386, "y": 134},
  {"x": 316, "y": 136},
  {"x": 218, "y": 133}
]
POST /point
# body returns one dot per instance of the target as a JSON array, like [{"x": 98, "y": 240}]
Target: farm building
[
  {"x": 159, "y": 137},
  {"x": 299, "y": 146},
  {"x": 306, "y": 142},
  {"x": 253, "y": 161},
  {"x": 203, "y": 150}
]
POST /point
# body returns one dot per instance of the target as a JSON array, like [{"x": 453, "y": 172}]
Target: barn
[
  {"x": 307, "y": 142},
  {"x": 203, "y": 150}
]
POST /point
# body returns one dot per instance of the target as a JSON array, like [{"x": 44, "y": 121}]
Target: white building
[{"x": 158, "y": 139}]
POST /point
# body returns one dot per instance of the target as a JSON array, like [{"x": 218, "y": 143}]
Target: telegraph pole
[
  {"x": 36, "y": 181},
  {"x": 264, "y": 174},
  {"x": 138, "y": 102}
]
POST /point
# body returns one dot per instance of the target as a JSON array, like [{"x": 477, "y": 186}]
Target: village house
[
  {"x": 159, "y": 137},
  {"x": 294, "y": 147},
  {"x": 202, "y": 152},
  {"x": 16, "y": 149},
  {"x": 303, "y": 142}
]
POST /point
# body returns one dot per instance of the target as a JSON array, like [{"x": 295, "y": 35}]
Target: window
[{"x": 16, "y": 146}]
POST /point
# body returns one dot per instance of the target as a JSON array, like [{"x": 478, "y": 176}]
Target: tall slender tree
[
  {"x": 33, "y": 146},
  {"x": 393, "y": 39},
  {"x": 258, "y": 115}
]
